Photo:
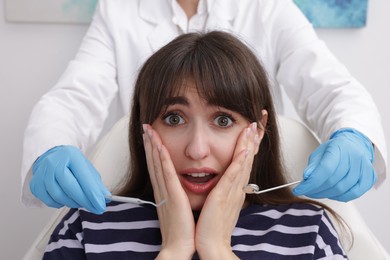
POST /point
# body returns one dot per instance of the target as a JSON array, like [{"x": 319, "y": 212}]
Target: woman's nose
[{"x": 198, "y": 144}]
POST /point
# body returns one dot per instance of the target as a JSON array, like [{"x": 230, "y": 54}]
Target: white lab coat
[{"x": 124, "y": 33}]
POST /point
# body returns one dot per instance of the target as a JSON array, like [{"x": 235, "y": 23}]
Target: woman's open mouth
[
  {"x": 199, "y": 182},
  {"x": 199, "y": 177}
]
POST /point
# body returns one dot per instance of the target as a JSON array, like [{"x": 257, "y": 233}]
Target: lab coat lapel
[
  {"x": 221, "y": 15},
  {"x": 162, "y": 34},
  {"x": 159, "y": 14}
]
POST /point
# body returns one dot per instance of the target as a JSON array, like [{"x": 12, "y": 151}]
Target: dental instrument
[
  {"x": 254, "y": 189},
  {"x": 133, "y": 200}
]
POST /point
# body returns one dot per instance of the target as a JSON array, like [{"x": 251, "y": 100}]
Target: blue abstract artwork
[{"x": 335, "y": 13}]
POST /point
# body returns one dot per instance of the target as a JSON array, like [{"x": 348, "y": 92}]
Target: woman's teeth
[{"x": 198, "y": 175}]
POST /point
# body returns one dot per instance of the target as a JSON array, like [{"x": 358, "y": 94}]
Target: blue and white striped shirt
[{"x": 129, "y": 231}]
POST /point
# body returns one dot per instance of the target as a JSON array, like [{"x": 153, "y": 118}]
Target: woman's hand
[
  {"x": 221, "y": 210},
  {"x": 175, "y": 215}
]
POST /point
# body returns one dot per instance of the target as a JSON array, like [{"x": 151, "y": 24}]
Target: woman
[{"x": 202, "y": 126}]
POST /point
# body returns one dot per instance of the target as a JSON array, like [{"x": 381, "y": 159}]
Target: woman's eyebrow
[{"x": 181, "y": 100}]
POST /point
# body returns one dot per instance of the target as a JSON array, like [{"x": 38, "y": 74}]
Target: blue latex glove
[
  {"x": 63, "y": 176},
  {"x": 339, "y": 169}
]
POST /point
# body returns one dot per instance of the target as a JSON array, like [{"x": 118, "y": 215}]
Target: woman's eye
[
  {"x": 223, "y": 121},
  {"x": 173, "y": 119}
]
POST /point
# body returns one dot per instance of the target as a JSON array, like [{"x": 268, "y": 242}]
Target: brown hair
[{"x": 226, "y": 73}]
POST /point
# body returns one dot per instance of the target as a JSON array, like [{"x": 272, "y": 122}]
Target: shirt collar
[{"x": 203, "y": 5}]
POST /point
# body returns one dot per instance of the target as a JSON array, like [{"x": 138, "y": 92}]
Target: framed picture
[
  {"x": 50, "y": 11},
  {"x": 335, "y": 13},
  {"x": 322, "y": 13}
]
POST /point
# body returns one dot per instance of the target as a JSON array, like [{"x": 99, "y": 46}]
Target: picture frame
[{"x": 50, "y": 11}]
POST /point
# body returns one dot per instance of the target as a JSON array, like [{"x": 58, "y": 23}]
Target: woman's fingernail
[
  {"x": 248, "y": 132},
  {"x": 254, "y": 126},
  {"x": 144, "y": 127}
]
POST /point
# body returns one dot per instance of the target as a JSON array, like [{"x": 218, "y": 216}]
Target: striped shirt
[{"x": 130, "y": 231}]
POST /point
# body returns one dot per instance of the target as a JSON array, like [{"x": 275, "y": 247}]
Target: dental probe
[
  {"x": 133, "y": 200},
  {"x": 254, "y": 189}
]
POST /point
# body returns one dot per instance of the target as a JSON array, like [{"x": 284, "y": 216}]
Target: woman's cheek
[
  {"x": 174, "y": 145},
  {"x": 224, "y": 148}
]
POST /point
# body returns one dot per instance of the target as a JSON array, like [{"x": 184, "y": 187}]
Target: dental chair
[{"x": 110, "y": 156}]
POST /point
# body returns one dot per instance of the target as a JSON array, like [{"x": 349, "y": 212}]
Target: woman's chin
[{"x": 197, "y": 204}]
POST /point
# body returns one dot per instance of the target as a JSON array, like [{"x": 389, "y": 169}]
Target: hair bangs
[
  {"x": 221, "y": 71},
  {"x": 219, "y": 77}
]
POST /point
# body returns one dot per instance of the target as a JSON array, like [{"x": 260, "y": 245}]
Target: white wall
[{"x": 32, "y": 57}]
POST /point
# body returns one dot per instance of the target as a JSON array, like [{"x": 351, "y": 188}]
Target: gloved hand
[
  {"x": 340, "y": 169},
  {"x": 63, "y": 176}
]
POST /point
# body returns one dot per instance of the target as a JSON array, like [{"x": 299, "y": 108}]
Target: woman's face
[{"x": 201, "y": 139}]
